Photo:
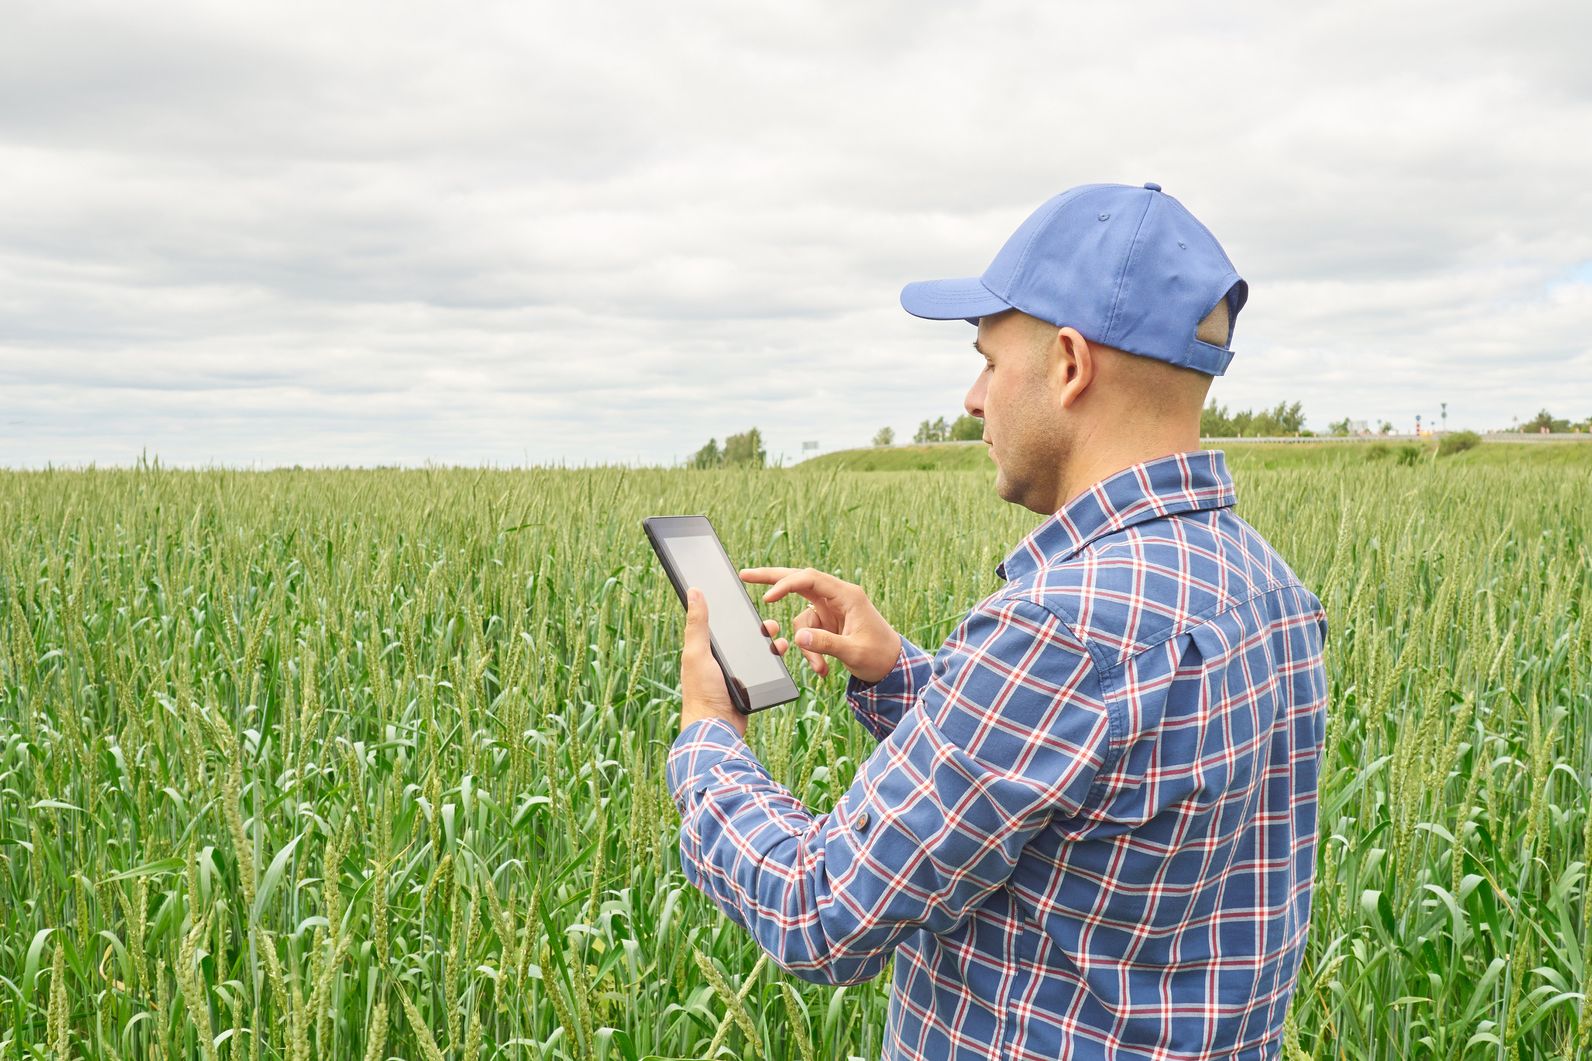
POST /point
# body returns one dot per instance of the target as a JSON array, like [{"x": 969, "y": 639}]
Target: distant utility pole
[
  {"x": 1445, "y": 416},
  {"x": 809, "y": 446}
]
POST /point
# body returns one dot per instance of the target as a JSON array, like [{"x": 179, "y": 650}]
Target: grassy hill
[
  {"x": 927, "y": 457},
  {"x": 962, "y": 456}
]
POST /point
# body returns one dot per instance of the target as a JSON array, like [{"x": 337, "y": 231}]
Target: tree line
[
  {"x": 964, "y": 429},
  {"x": 1545, "y": 420},
  {"x": 1284, "y": 419},
  {"x": 742, "y": 450},
  {"x": 1215, "y": 421}
]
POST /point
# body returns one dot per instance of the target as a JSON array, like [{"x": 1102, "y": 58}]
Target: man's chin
[
  {"x": 1007, "y": 490},
  {"x": 1015, "y": 493}
]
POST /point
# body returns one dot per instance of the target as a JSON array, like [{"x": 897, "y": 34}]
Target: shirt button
[{"x": 860, "y": 822}]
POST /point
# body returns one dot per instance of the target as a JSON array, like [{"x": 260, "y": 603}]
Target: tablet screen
[{"x": 734, "y": 622}]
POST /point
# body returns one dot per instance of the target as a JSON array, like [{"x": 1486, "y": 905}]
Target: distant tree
[
  {"x": 967, "y": 429},
  {"x": 1545, "y": 420},
  {"x": 1293, "y": 417},
  {"x": 708, "y": 456},
  {"x": 745, "y": 448},
  {"x": 1385, "y": 429},
  {"x": 935, "y": 431},
  {"x": 1285, "y": 419},
  {"x": 885, "y": 437},
  {"x": 1339, "y": 427},
  {"x": 1214, "y": 421}
]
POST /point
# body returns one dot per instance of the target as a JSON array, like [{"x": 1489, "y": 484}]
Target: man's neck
[{"x": 1102, "y": 466}]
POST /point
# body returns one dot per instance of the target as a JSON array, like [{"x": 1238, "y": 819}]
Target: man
[{"x": 1088, "y": 829}]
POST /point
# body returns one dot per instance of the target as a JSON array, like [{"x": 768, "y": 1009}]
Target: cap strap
[{"x": 1207, "y": 358}]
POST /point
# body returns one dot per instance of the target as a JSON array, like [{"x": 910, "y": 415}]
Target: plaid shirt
[{"x": 1089, "y": 827}]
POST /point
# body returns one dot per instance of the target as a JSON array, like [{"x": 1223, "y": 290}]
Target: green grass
[{"x": 370, "y": 763}]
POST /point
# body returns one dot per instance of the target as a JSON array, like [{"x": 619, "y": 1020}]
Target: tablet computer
[{"x": 692, "y": 555}]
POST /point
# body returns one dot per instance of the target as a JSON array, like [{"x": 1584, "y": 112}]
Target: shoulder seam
[{"x": 1116, "y": 725}]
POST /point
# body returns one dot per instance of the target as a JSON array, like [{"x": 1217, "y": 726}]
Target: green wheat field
[{"x": 370, "y": 763}]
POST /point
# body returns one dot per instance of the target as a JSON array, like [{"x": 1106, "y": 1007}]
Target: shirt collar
[{"x": 1177, "y": 482}]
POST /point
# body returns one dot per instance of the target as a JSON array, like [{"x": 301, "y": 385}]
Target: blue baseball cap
[{"x": 1127, "y": 267}]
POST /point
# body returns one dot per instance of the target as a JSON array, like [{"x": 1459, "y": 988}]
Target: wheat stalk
[
  {"x": 734, "y": 1004},
  {"x": 428, "y": 1044}
]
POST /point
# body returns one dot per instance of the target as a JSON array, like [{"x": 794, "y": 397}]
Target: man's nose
[{"x": 974, "y": 402}]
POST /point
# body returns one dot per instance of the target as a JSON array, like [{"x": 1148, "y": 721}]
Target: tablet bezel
[{"x": 747, "y": 699}]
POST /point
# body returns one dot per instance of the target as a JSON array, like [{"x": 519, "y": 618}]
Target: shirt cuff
[
  {"x": 701, "y": 746},
  {"x": 879, "y": 705}
]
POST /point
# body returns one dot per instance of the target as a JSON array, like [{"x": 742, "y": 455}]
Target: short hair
[{"x": 1215, "y": 328}]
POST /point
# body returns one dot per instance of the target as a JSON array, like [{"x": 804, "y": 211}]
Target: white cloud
[{"x": 392, "y": 233}]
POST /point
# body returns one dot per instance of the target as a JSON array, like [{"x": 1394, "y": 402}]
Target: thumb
[
  {"x": 696, "y": 616},
  {"x": 821, "y": 641}
]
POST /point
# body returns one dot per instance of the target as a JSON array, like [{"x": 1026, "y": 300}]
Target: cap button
[{"x": 1154, "y": 187}]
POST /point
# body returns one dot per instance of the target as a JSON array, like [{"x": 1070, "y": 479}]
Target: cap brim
[{"x": 947, "y": 300}]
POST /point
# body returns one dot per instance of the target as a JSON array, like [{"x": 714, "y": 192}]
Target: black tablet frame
[{"x": 747, "y": 699}]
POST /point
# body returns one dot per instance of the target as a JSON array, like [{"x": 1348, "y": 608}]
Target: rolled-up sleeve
[{"x": 1008, "y": 730}]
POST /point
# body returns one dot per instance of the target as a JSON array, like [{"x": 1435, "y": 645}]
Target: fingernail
[{"x": 804, "y": 639}]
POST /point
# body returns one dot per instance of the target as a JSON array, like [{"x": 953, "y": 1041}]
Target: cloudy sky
[{"x": 510, "y": 233}]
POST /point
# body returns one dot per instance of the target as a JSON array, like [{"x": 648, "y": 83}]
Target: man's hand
[
  {"x": 703, "y": 693},
  {"x": 842, "y": 621}
]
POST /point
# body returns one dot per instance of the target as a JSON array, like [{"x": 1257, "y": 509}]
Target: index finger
[
  {"x": 812, "y": 584},
  {"x": 766, "y": 576}
]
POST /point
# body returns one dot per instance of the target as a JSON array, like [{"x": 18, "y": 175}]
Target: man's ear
[{"x": 1073, "y": 367}]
